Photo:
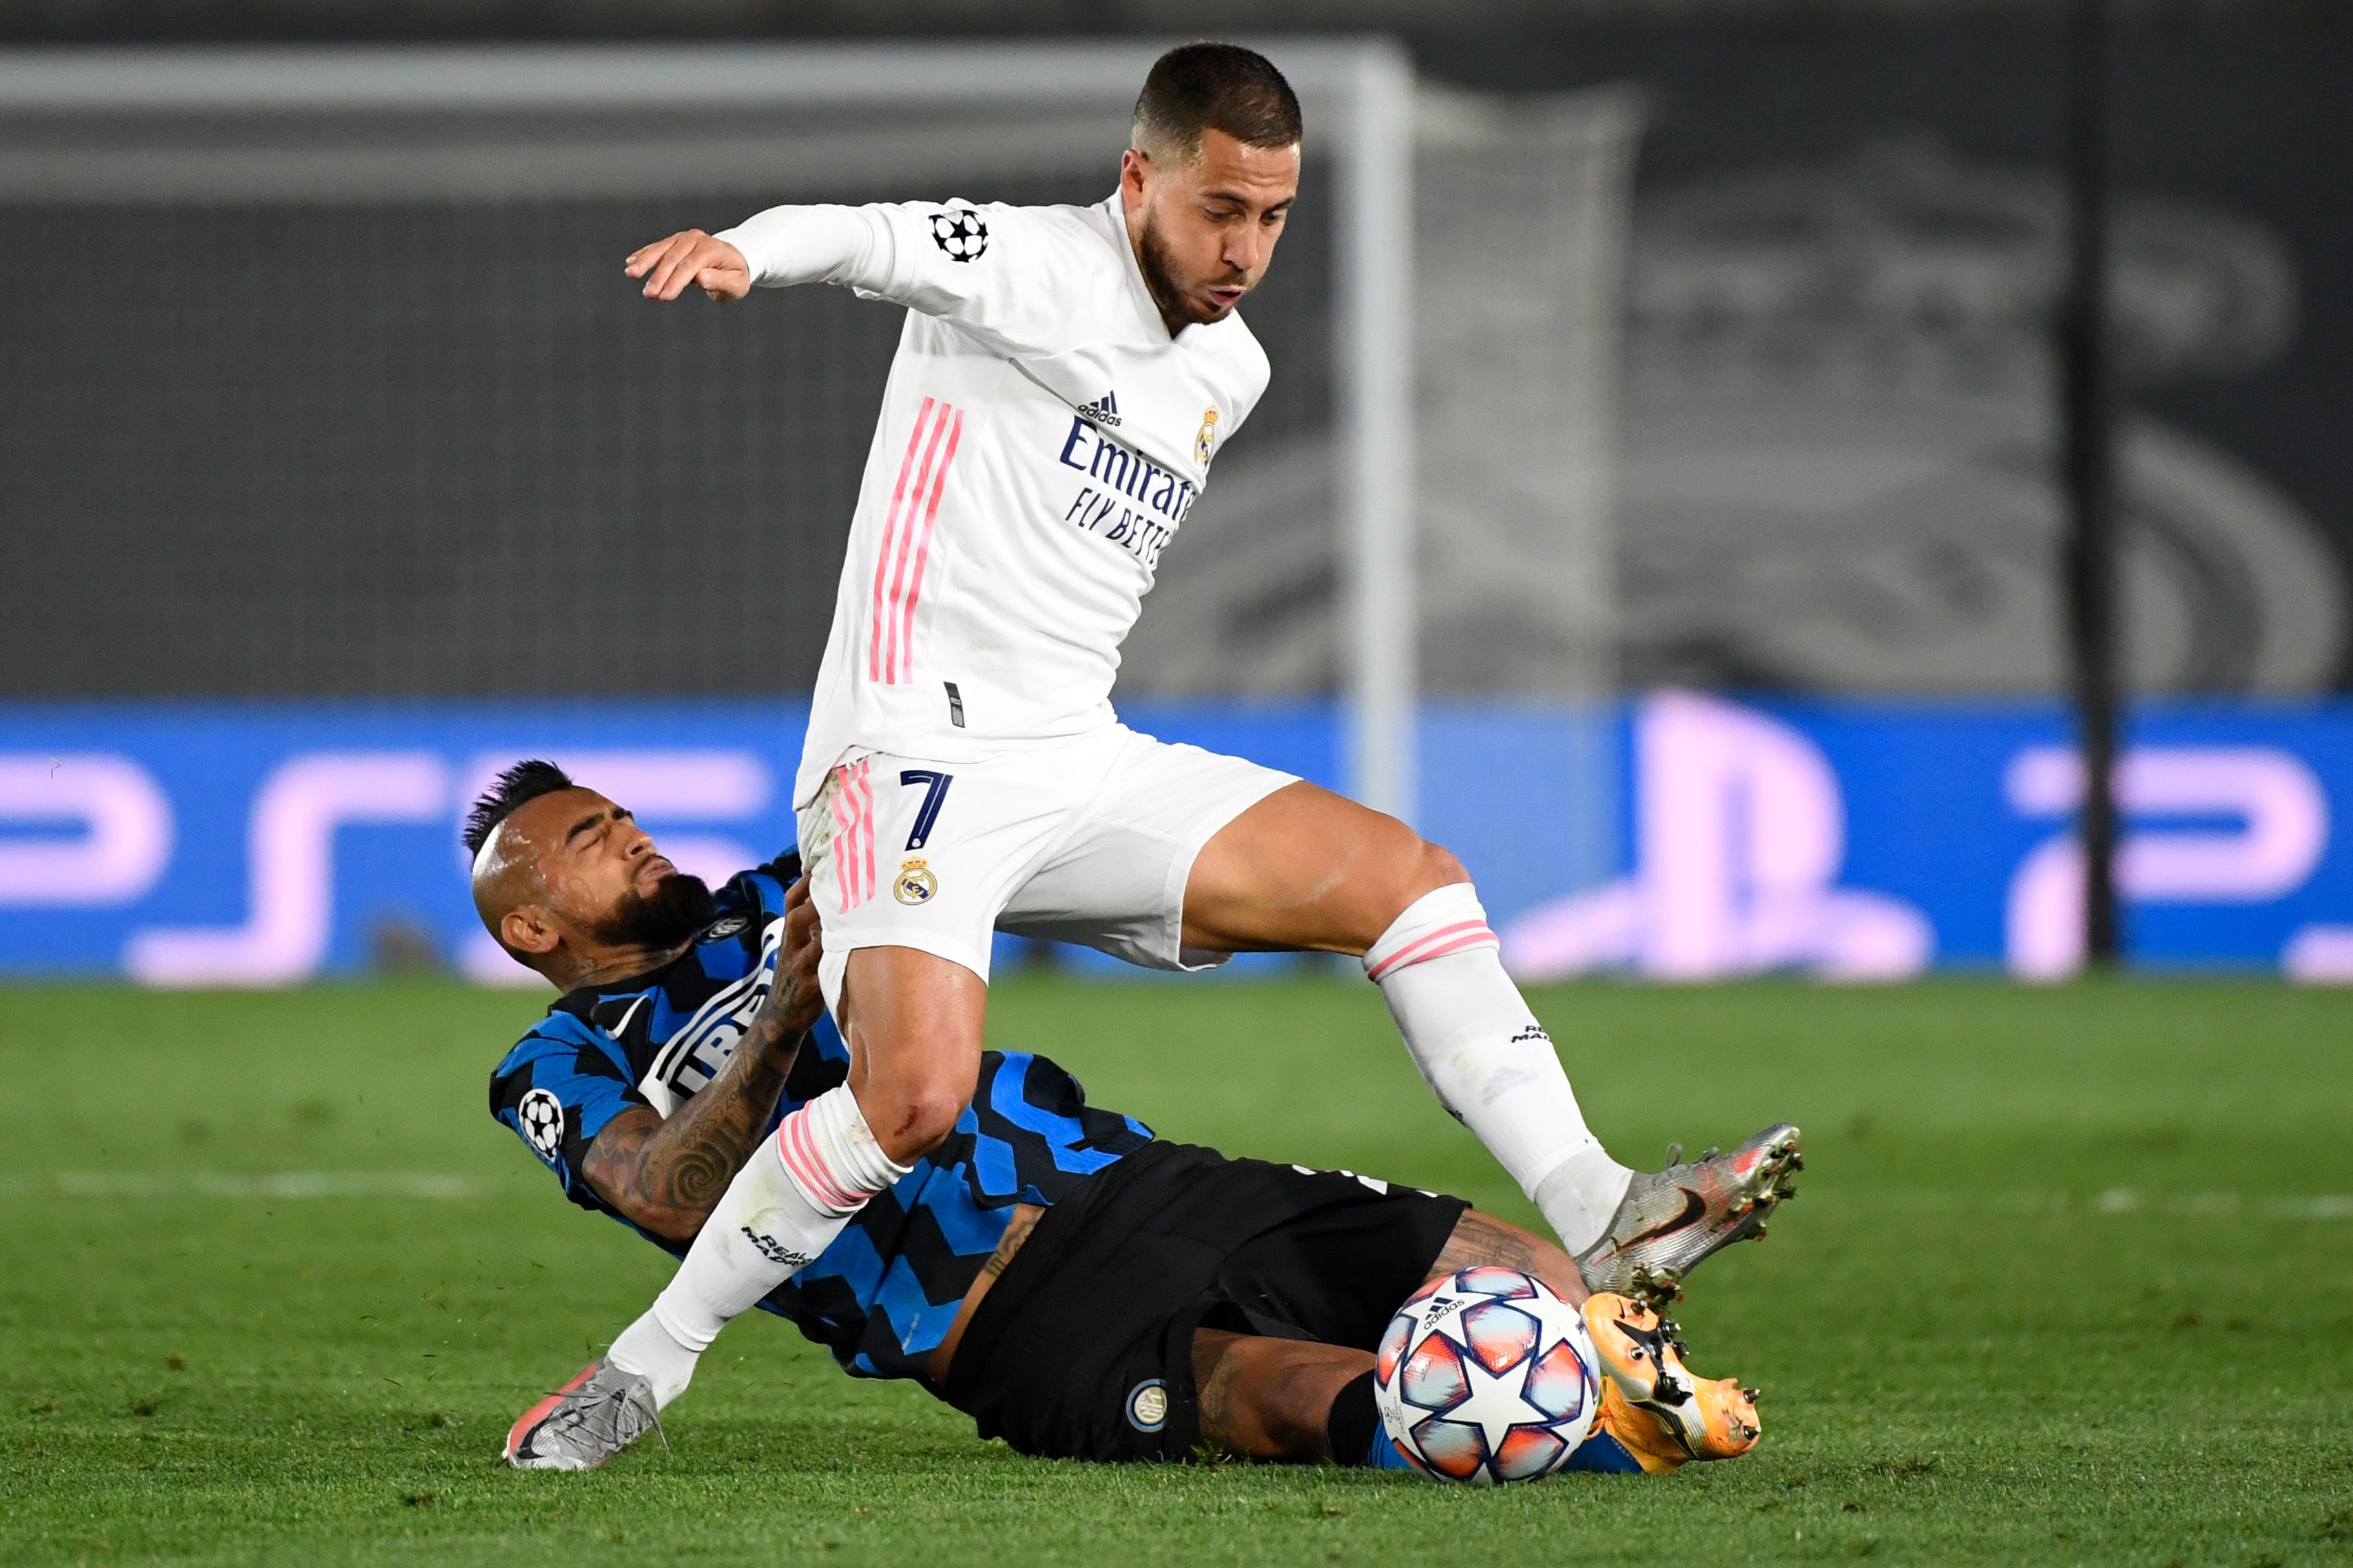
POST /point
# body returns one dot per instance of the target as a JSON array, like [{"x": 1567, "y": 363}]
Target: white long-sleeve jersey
[{"x": 1041, "y": 439}]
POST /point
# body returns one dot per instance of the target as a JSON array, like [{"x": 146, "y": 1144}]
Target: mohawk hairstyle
[
  {"x": 1199, "y": 87},
  {"x": 526, "y": 781}
]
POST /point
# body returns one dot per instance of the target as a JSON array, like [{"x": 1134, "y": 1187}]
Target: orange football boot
[{"x": 1651, "y": 1403}]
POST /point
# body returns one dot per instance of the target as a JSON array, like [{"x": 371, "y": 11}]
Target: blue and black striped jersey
[{"x": 882, "y": 1296}]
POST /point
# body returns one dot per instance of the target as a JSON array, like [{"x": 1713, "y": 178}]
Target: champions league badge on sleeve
[
  {"x": 960, "y": 233},
  {"x": 541, "y": 1115}
]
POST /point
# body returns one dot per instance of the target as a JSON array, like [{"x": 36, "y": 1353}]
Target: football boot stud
[{"x": 1671, "y": 1221}]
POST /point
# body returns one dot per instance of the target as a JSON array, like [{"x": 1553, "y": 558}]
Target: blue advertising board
[{"x": 1676, "y": 836}]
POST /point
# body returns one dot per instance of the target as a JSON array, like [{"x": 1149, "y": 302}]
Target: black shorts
[{"x": 1084, "y": 1348}]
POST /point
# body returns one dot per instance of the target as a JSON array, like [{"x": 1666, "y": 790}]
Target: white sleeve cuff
[{"x": 785, "y": 246}]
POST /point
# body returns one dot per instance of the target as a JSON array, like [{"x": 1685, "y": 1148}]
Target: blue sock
[
  {"x": 1602, "y": 1452},
  {"x": 1386, "y": 1456}
]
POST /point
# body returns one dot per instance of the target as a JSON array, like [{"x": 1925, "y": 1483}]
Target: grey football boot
[
  {"x": 1671, "y": 1221},
  {"x": 599, "y": 1413}
]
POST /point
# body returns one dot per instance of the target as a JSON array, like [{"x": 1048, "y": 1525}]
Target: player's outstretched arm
[
  {"x": 692, "y": 257},
  {"x": 999, "y": 272},
  {"x": 666, "y": 1175}
]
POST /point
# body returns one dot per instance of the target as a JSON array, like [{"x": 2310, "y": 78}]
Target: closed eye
[{"x": 596, "y": 822}]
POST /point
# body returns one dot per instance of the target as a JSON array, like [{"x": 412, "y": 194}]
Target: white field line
[
  {"x": 2122, "y": 1201},
  {"x": 267, "y": 1185},
  {"x": 271, "y": 1185}
]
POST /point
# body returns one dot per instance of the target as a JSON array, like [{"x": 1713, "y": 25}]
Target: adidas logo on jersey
[{"x": 1102, "y": 411}]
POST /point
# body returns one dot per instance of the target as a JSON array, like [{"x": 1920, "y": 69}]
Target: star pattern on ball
[
  {"x": 1554, "y": 1330},
  {"x": 1485, "y": 1377},
  {"x": 1442, "y": 1306},
  {"x": 960, "y": 234},
  {"x": 1495, "y": 1404}
]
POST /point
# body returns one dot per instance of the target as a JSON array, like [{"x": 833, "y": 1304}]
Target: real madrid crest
[
  {"x": 1207, "y": 441},
  {"x": 915, "y": 883}
]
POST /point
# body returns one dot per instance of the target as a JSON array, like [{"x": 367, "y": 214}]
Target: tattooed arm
[
  {"x": 667, "y": 1175},
  {"x": 1482, "y": 1238}
]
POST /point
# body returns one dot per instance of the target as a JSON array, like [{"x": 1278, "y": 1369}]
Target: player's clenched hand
[
  {"x": 694, "y": 258},
  {"x": 796, "y": 996}
]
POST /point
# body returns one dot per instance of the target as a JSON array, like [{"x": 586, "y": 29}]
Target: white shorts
[{"x": 1088, "y": 843}]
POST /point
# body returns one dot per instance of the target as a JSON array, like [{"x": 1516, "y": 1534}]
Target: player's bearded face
[
  {"x": 677, "y": 907},
  {"x": 1209, "y": 227},
  {"x": 1164, "y": 273}
]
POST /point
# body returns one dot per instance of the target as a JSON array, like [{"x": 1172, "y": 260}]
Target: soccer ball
[{"x": 1486, "y": 1377}]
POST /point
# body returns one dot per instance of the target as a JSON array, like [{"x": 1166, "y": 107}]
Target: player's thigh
[
  {"x": 913, "y": 1021},
  {"x": 1117, "y": 882},
  {"x": 1308, "y": 868},
  {"x": 1331, "y": 1254},
  {"x": 1269, "y": 1398},
  {"x": 907, "y": 853}
]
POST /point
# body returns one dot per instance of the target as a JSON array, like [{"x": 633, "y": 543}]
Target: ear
[
  {"x": 527, "y": 930},
  {"x": 1133, "y": 166}
]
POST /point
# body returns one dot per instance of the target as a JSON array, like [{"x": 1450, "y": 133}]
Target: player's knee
[
  {"x": 1423, "y": 870},
  {"x": 915, "y": 1112},
  {"x": 1436, "y": 868},
  {"x": 1412, "y": 869}
]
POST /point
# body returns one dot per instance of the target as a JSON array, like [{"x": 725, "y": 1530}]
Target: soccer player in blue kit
[{"x": 1078, "y": 1286}]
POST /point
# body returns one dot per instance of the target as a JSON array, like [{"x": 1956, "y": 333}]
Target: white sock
[
  {"x": 1491, "y": 1063},
  {"x": 792, "y": 1198}
]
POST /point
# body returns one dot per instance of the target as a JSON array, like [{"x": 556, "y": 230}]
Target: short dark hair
[
  {"x": 526, "y": 781},
  {"x": 1199, "y": 87}
]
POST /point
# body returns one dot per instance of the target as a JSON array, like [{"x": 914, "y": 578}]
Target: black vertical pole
[{"x": 2087, "y": 382}]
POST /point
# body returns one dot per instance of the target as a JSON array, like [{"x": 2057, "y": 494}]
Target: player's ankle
[
  {"x": 1579, "y": 1196},
  {"x": 652, "y": 1349}
]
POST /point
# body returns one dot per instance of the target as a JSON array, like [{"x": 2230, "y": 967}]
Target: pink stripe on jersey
[
  {"x": 892, "y": 612},
  {"x": 1456, "y": 938},
  {"x": 902, "y": 652},
  {"x": 890, "y": 528}
]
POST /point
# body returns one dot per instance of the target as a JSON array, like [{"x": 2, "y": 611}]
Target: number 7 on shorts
[{"x": 935, "y": 793}]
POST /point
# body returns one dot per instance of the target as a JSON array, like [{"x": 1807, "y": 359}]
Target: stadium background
[
  {"x": 1741, "y": 653},
  {"x": 320, "y": 466}
]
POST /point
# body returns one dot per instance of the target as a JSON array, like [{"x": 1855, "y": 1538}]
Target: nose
[{"x": 1243, "y": 250}]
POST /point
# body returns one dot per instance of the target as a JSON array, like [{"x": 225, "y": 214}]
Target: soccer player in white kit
[{"x": 1065, "y": 379}]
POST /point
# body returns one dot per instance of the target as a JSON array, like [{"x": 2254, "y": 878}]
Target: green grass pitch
[{"x": 2070, "y": 1281}]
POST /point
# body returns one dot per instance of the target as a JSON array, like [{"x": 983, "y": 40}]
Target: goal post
[
  {"x": 1374, "y": 309},
  {"x": 342, "y": 128}
]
